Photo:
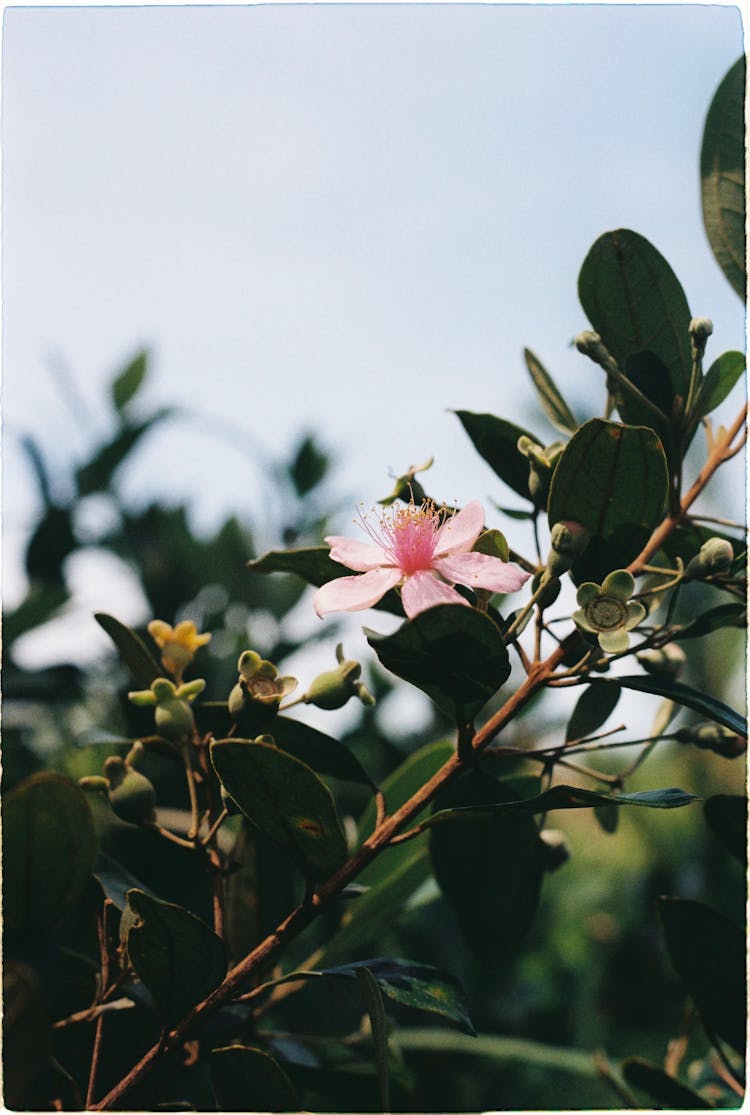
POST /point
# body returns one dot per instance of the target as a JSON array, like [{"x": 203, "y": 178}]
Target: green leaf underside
[
  {"x": 720, "y": 378},
  {"x": 454, "y": 654},
  {"x": 49, "y": 846},
  {"x": 709, "y": 707},
  {"x": 315, "y": 566},
  {"x": 126, "y": 385},
  {"x": 723, "y": 176},
  {"x": 132, "y": 650},
  {"x": 726, "y": 815},
  {"x": 595, "y": 705},
  {"x": 247, "y": 1079},
  {"x": 659, "y": 1086},
  {"x": 419, "y": 986},
  {"x": 163, "y": 943},
  {"x": 490, "y": 872},
  {"x": 563, "y": 797},
  {"x": 708, "y": 953},
  {"x": 323, "y": 753},
  {"x": 635, "y": 302},
  {"x": 496, "y": 441},
  {"x": 613, "y": 480},
  {"x": 286, "y": 800},
  {"x": 723, "y": 615},
  {"x": 373, "y": 1004},
  {"x": 553, "y": 403}
]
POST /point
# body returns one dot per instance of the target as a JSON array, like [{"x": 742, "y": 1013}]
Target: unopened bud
[
  {"x": 700, "y": 329},
  {"x": 174, "y": 718},
  {"x": 568, "y": 540},
  {"x": 666, "y": 661},
  {"x": 332, "y": 689},
  {"x": 134, "y": 799},
  {"x": 714, "y": 737},
  {"x": 714, "y": 556},
  {"x": 550, "y": 593},
  {"x": 590, "y": 344}
]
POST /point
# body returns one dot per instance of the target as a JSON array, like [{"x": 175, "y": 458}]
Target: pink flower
[{"x": 426, "y": 555}]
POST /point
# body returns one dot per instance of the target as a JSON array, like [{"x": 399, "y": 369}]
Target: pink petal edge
[
  {"x": 482, "y": 571},
  {"x": 424, "y": 590},
  {"x": 361, "y": 556},
  {"x": 353, "y": 594},
  {"x": 460, "y": 532}
]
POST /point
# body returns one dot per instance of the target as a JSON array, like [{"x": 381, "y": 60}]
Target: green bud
[
  {"x": 590, "y": 344},
  {"x": 133, "y": 799},
  {"x": 700, "y": 330},
  {"x": 174, "y": 719},
  {"x": 555, "y": 848},
  {"x": 332, "y": 689},
  {"x": 666, "y": 661},
  {"x": 568, "y": 540},
  {"x": 714, "y": 737},
  {"x": 550, "y": 593},
  {"x": 94, "y": 783},
  {"x": 714, "y": 556}
]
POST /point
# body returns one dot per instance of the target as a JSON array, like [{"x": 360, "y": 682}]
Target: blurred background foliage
[{"x": 593, "y": 974}]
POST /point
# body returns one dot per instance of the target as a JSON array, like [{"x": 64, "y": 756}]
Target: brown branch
[{"x": 539, "y": 675}]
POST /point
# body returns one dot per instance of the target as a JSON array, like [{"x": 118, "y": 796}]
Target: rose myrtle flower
[
  {"x": 425, "y": 554},
  {"x": 607, "y": 611}
]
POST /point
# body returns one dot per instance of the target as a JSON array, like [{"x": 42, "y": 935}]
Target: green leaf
[
  {"x": 560, "y": 797},
  {"x": 708, "y": 953},
  {"x": 323, "y": 753},
  {"x": 723, "y": 176},
  {"x": 373, "y": 1002},
  {"x": 97, "y": 474},
  {"x": 634, "y": 301},
  {"x": 115, "y": 880},
  {"x": 667, "y": 1091},
  {"x": 723, "y": 615},
  {"x": 51, "y": 542},
  {"x": 309, "y": 466},
  {"x": 726, "y": 814},
  {"x": 132, "y": 650},
  {"x": 452, "y": 653},
  {"x": 286, "y": 800},
  {"x": 248, "y": 1079},
  {"x": 553, "y": 404},
  {"x": 175, "y": 954},
  {"x": 685, "y": 695},
  {"x": 593, "y": 707},
  {"x": 613, "y": 480},
  {"x": 499, "y": 1048},
  {"x": 496, "y": 441},
  {"x": 49, "y": 847},
  {"x": 126, "y": 385},
  {"x": 314, "y": 565},
  {"x": 720, "y": 378},
  {"x": 490, "y": 871}
]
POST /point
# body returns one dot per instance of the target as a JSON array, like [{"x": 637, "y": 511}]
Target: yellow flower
[{"x": 177, "y": 644}]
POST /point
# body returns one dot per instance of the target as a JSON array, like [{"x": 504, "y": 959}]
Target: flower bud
[
  {"x": 700, "y": 330},
  {"x": 555, "y": 848},
  {"x": 590, "y": 344},
  {"x": 568, "y": 540},
  {"x": 134, "y": 799},
  {"x": 550, "y": 593},
  {"x": 332, "y": 690},
  {"x": 666, "y": 661},
  {"x": 174, "y": 718},
  {"x": 714, "y": 556},
  {"x": 254, "y": 701},
  {"x": 714, "y": 737}
]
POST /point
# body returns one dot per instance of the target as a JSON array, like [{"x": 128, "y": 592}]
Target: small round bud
[
  {"x": 332, "y": 689},
  {"x": 568, "y": 540},
  {"x": 174, "y": 719},
  {"x": 666, "y": 661},
  {"x": 551, "y": 591},
  {"x": 701, "y": 329},
  {"x": 714, "y": 556},
  {"x": 134, "y": 799},
  {"x": 714, "y": 737}
]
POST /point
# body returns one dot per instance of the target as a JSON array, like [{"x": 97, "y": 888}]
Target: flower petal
[
  {"x": 424, "y": 589},
  {"x": 482, "y": 571},
  {"x": 619, "y": 584},
  {"x": 636, "y": 615},
  {"x": 460, "y": 532},
  {"x": 354, "y": 554},
  {"x": 614, "y": 642},
  {"x": 353, "y": 594},
  {"x": 580, "y": 620},
  {"x": 587, "y": 592}
]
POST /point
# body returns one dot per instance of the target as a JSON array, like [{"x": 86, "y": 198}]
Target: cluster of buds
[
  {"x": 171, "y": 703},
  {"x": 714, "y": 737}
]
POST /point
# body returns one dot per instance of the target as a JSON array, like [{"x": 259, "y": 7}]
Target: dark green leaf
[
  {"x": 659, "y": 1086},
  {"x": 248, "y": 1079},
  {"x": 26, "y": 1032},
  {"x": 723, "y": 176},
  {"x": 132, "y": 650},
  {"x": 115, "y": 880},
  {"x": 98, "y": 473},
  {"x": 719, "y": 381},
  {"x": 723, "y": 615},
  {"x": 634, "y": 301},
  {"x": 314, "y": 565},
  {"x": 126, "y": 385},
  {"x": 685, "y": 695},
  {"x": 49, "y": 847},
  {"x": 496, "y": 441},
  {"x": 50, "y": 544},
  {"x": 553, "y": 404},
  {"x": 607, "y": 816},
  {"x": 175, "y": 954},
  {"x": 323, "y": 753},
  {"x": 373, "y": 1003},
  {"x": 559, "y": 797},
  {"x": 285, "y": 799},
  {"x": 309, "y": 466},
  {"x": 454, "y": 654},
  {"x": 726, "y": 814},
  {"x": 613, "y": 480},
  {"x": 708, "y": 953},
  {"x": 593, "y": 707},
  {"x": 490, "y": 870},
  {"x": 514, "y": 513}
]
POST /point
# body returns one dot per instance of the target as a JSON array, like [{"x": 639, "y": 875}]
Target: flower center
[
  {"x": 408, "y": 535},
  {"x": 606, "y": 614}
]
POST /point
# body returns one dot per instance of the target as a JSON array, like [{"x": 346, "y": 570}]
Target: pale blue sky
[{"x": 348, "y": 218}]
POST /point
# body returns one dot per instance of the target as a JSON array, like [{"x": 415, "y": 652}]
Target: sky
[{"x": 347, "y": 219}]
